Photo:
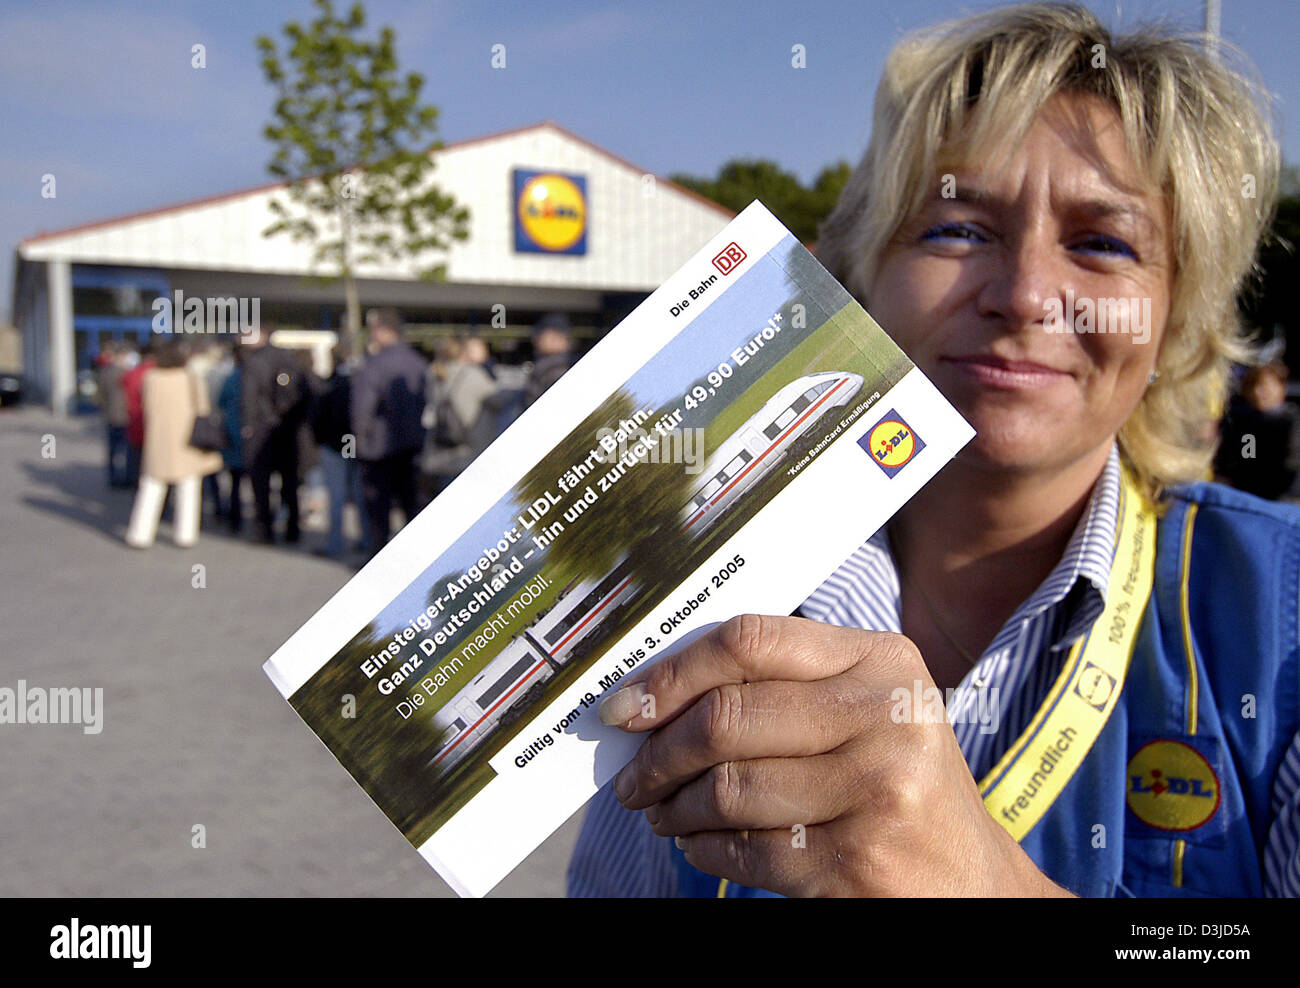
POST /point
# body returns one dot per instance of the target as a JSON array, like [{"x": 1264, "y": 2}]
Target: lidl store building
[{"x": 557, "y": 224}]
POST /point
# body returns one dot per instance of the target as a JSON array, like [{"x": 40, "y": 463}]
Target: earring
[{"x": 1152, "y": 378}]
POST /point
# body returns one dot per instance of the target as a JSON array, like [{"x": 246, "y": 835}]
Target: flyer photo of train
[
  {"x": 768, "y": 372},
  {"x": 512, "y": 682}
]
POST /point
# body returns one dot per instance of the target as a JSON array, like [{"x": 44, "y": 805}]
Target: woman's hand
[{"x": 776, "y": 763}]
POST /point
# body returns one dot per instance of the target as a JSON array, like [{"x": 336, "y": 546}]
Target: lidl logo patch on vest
[
  {"x": 550, "y": 212},
  {"x": 1172, "y": 786},
  {"x": 892, "y": 443}
]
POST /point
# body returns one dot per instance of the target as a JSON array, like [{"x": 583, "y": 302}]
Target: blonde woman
[
  {"x": 1122, "y": 639},
  {"x": 172, "y": 398}
]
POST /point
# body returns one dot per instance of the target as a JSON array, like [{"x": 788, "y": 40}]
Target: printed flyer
[{"x": 721, "y": 451}]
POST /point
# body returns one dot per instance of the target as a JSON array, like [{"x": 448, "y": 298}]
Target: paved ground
[{"x": 193, "y": 731}]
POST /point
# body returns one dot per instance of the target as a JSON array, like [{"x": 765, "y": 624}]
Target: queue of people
[{"x": 387, "y": 429}]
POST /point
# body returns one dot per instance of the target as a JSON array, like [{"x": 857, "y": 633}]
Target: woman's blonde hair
[{"x": 1197, "y": 125}]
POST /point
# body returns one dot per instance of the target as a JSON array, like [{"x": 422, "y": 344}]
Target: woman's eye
[
  {"x": 1106, "y": 245},
  {"x": 953, "y": 231}
]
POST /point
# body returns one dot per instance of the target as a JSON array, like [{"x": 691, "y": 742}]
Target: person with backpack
[
  {"x": 387, "y": 408},
  {"x": 464, "y": 411},
  {"x": 274, "y": 407}
]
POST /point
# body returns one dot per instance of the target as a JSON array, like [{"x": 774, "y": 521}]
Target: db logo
[
  {"x": 1171, "y": 786},
  {"x": 1094, "y": 686},
  {"x": 730, "y": 256},
  {"x": 892, "y": 443}
]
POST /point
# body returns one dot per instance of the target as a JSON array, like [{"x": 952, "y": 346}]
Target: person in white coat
[{"x": 172, "y": 398}]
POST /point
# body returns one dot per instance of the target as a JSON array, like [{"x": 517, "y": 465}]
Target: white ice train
[
  {"x": 479, "y": 708},
  {"x": 756, "y": 448},
  {"x": 512, "y": 680}
]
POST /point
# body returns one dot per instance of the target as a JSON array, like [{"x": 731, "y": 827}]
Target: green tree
[
  {"x": 801, "y": 209},
  {"x": 826, "y": 189},
  {"x": 353, "y": 140}
]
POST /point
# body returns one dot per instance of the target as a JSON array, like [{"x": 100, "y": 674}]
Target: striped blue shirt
[{"x": 617, "y": 854}]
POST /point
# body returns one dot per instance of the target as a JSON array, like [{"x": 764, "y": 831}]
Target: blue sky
[{"x": 102, "y": 95}]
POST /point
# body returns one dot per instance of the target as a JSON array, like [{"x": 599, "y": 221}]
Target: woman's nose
[{"x": 1025, "y": 279}]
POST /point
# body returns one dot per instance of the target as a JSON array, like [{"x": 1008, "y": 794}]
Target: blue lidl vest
[{"x": 1173, "y": 798}]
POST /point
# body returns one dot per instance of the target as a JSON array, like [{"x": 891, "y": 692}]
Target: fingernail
[
  {"x": 624, "y": 783},
  {"x": 653, "y": 814},
  {"x": 622, "y": 706},
  {"x": 680, "y": 842}
]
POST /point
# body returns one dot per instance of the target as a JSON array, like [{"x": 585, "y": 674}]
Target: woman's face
[{"x": 1034, "y": 294}]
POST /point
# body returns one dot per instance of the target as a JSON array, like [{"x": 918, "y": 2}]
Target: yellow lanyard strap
[{"x": 1025, "y": 782}]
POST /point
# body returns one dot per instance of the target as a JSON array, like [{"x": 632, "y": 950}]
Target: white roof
[{"x": 640, "y": 229}]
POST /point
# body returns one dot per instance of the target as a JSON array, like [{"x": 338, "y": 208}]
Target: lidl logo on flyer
[
  {"x": 550, "y": 212},
  {"x": 892, "y": 443}
]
